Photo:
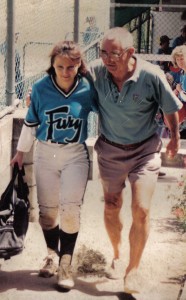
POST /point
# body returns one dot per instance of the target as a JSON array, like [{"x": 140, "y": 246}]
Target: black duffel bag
[{"x": 14, "y": 215}]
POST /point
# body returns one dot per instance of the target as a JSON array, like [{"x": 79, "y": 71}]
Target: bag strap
[
  {"x": 21, "y": 188},
  {"x": 7, "y": 194},
  {"x": 15, "y": 171}
]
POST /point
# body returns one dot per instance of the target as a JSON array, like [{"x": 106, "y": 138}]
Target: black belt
[
  {"x": 124, "y": 147},
  {"x": 54, "y": 142}
]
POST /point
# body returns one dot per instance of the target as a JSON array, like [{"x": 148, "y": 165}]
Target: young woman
[{"x": 60, "y": 105}]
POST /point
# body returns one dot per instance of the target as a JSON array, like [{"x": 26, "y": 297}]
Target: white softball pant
[{"x": 61, "y": 177}]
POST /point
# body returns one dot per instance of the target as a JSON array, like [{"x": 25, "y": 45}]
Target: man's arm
[{"x": 173, "y": 146}]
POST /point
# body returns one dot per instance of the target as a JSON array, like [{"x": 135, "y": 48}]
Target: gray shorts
[{"x": 116, "y": 164}]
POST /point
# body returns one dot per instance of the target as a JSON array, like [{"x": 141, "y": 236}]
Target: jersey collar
[{"x": 66, "y": 95}]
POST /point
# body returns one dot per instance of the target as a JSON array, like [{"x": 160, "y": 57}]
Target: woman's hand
[{"x": 18, "y": 158}]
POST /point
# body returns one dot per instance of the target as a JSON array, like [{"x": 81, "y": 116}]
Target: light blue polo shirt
[{"x": 128, "y": 116}]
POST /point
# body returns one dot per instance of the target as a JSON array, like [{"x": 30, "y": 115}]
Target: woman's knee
[
  {"x": 48, "y": 217},
  {"x": 70, "y": 217}
]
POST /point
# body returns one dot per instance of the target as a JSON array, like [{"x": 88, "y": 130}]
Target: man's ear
[{"x": 131, "y": 51}]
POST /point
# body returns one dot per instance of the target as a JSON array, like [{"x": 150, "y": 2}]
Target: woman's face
[
  {"x": 181, "y": 61},
  {"x": 65, "y": 68}
]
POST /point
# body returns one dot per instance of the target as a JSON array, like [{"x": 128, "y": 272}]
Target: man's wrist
[{"x": 175, "y": 135}]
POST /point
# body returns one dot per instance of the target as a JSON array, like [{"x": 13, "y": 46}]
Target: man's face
[{"x": 114, "y": 56}]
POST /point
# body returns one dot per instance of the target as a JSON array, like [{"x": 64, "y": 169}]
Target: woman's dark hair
[{"x": 69, "y": 49}]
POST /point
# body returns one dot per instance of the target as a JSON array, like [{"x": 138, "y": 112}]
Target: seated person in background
[
  {"x": 173, "y": 77},
  {"x": 179, "y": 59},
  {"x": 181, "y": 39},
  {"x": 177, "y": 71},
  {"x": 181, "y": 88},
  {"x": 177, "y": 81},
  {"x": 164, "y": 49},
  {"x": 91, "y": 32}
]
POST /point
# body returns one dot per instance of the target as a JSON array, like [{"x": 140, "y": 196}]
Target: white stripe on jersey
[{"x": 63, "y": 93}]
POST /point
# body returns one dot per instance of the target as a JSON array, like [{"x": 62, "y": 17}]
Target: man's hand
[
  {"x": 172, "y": 147},
  {"x": 28, "y": 97}
]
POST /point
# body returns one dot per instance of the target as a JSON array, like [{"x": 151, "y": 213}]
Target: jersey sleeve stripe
[{"x": 28, "y": 124}]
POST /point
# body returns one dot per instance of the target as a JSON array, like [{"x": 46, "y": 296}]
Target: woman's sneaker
[
  {"x": 50, "y": 267},
  {"x": 64, "y": 275}
]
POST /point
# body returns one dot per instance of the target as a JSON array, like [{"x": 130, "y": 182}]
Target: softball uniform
[{"x": 61, "y": 158}]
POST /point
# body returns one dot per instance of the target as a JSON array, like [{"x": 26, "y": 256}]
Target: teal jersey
[
  {"x": 128, "y": 116},
  {"x": 61, "y": 117}
]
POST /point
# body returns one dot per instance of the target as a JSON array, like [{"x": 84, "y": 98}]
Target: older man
[{"x": 130, "y": 91}]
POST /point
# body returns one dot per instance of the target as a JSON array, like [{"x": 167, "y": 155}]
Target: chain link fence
[
  {"x": 38, "y": 26},
  {"x": 165, "y": 23}
]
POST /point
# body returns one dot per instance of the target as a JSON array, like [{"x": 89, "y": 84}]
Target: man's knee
[
  {"x": 140, "y": 214},
  {"x": 113, "y": 201}
]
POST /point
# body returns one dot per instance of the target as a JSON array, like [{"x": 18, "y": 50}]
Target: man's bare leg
[
  {"x": 139, "y": 232},
  {"x": 113, "y": 224},
  {"x": 141, "y": 200}
]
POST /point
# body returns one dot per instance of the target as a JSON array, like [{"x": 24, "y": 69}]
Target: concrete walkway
[{"x": 162, "y": 266}]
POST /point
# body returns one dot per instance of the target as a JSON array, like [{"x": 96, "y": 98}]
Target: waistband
[
  {"x": 127, "y": 146},
  {"x": 54, "y": 142},
  {"x": 61, "y": 143}
]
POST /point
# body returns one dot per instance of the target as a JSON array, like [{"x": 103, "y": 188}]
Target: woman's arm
[{"x": 25, "y": 143}]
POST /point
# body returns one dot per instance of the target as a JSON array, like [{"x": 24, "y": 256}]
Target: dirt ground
[{"x": 162, "y": 267}]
